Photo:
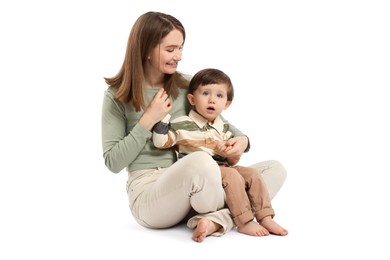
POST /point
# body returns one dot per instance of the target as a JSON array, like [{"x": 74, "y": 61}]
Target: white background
[{"x": 311, "y": 80}]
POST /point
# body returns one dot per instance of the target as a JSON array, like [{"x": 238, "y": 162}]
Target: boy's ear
[
  {"x": 228, "y": 103},
  {"x": 190, "y": 98}
]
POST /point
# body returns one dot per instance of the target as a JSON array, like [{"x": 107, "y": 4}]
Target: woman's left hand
[{"x": 234, "y": 147}]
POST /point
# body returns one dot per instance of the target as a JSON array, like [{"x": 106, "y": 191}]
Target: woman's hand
[
  {"x": 233, "y": 148},
  {"x": 158, "y": 108}
]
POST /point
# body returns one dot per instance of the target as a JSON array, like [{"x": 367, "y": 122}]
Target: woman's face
[{"x": 165, "y": 56}]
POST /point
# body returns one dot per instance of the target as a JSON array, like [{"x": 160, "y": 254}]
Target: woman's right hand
[{"x": 158, "y": 108}]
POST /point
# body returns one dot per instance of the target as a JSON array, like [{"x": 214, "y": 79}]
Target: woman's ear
[{"x": 190, "y": 98}]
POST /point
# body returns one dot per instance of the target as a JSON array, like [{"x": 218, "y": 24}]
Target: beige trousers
[{"x": 164, "y": 197}]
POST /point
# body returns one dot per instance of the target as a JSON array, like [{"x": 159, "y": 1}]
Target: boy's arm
[{"x": 162, "y": 136}]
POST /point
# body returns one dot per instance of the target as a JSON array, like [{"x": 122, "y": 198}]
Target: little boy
[{"x": 211, "y": 92}]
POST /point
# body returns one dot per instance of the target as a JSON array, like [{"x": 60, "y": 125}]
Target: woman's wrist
[{"x": 146, "y": 121}]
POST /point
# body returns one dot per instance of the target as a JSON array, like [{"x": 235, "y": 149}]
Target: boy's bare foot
[
  {"x": 204, "y": 228},
  {"x": 273, "y": 227},
  {"x": 252, "y": 228}
]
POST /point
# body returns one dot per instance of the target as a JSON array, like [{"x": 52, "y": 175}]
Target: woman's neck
[
  {"x": 153, "y": 85},
  {"x": 154, "y": 81}
]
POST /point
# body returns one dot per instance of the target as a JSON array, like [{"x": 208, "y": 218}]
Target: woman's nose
[{"x": 177, "y": 56}]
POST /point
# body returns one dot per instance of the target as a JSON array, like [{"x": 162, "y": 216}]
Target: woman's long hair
[{"x": 146, "y": 33}]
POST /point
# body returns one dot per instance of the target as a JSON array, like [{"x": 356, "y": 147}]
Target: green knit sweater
[{"x": 126, "y": 144}]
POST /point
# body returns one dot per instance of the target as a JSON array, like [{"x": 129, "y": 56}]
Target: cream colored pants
[{"x": 163, "y": 197}]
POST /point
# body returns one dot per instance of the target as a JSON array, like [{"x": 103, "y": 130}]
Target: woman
[{"x": 162, "y": 191}]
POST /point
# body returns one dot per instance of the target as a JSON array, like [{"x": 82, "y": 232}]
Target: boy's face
[{"x": 210, "y": 100}]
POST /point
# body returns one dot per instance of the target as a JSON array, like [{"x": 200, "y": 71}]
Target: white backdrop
[{"x": 311, "y": 81}]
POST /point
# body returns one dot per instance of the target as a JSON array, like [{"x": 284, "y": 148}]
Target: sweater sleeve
[
  {"x": 119, "y": 148},
  {"x": 163, "y": 136},
  {"x": 236, "y": 132}
]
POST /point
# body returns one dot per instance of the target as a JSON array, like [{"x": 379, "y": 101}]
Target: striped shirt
[{"x": 191, "y": 133}]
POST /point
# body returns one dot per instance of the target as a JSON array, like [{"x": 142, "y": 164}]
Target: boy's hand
[
  {"x": 235, "y": 147},
  {"x": 231, "y": 150}
]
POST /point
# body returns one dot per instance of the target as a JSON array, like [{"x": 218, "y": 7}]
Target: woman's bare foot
[
  {"x": 204, "y": 228},
  {"x": 252, "y": 228},
  {"x": 273, "y": 227}
]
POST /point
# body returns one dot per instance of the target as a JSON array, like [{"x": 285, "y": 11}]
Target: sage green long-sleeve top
[{"x": 126, "y": 144}]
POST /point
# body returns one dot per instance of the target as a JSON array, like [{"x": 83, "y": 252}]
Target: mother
[{"x": 162, "y": 191}]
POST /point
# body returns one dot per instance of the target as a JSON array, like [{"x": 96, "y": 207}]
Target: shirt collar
[{"x": 218, "y": 124}]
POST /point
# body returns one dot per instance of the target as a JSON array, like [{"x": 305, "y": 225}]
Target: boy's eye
[
  {"x": 220, "y": 95},
  {"x": 205, "y": 93}
]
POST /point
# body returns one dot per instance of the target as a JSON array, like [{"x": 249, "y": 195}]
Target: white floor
[
  {"x": 313, "y": 74},
  {"x": 86, "y": 217}
]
